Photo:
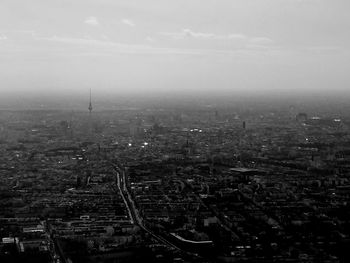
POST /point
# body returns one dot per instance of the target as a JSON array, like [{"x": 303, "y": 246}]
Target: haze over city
[
  {"x": 58, "y": 50},
  {"x": 174, "y": 131}
]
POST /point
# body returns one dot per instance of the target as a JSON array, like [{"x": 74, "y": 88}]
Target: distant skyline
[{"x": 166, "y": 47}]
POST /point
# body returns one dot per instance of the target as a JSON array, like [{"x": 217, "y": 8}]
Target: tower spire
[
  {"x": 90, "y": 116},
  {"x": 90, "y": 104}
]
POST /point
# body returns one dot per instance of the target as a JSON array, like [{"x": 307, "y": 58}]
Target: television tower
[
  {"x": 90, "y": 104},
  {"x": 90, "y": 116}
]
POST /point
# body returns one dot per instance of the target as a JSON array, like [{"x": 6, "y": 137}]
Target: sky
[{"x": 148, "y": 47}]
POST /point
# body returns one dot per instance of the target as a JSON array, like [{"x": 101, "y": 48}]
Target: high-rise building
[
  {"x": 292, "y": 112},
  {"x": 301, "y": 117}
]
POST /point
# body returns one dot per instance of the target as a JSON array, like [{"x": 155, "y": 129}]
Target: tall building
[
  {"x": 90, "y": 104},
  {"x": 292, "y": 112},
  {"x": 90, "y": 111},
  {"x": 301, "y": 117}
]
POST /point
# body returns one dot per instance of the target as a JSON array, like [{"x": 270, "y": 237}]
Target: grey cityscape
[{"x": 174, "y": 131}]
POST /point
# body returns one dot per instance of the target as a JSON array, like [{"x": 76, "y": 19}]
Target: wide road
[
  {"x": 132, "y": 210},
  {"x": 119, "y": 185}
]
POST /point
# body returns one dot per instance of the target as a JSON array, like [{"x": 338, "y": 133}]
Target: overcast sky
[{"x": 162, "y": 46}]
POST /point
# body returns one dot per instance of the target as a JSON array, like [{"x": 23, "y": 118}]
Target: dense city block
[{"x": 171, "y": 185}]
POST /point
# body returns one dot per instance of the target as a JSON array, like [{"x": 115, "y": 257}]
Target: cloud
[
  {"x": 188, "y": 33},
  {"x": 128, "y": 22},
  {"x": 106, "y": 47},
  {"x": 78, "y": 41},
  {"x": 323, "y": 49},
  {"x": 92, "y": 21},
  {"x": 150, "y": 39},
  {"x": 103, "y": 47},
  {"x": 219, "y": 41},
  {"x": 3, "y": 37},
  {"x": 261, "y": 41}
]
